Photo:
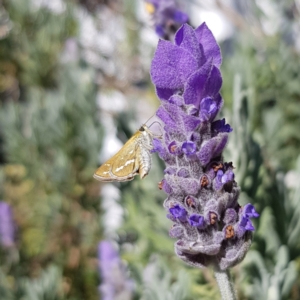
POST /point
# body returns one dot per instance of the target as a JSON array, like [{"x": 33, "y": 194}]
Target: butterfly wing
[{"x": 123, "y": 166}]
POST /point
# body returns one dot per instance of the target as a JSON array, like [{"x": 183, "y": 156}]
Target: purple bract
[{"x": 210, "y": 225}]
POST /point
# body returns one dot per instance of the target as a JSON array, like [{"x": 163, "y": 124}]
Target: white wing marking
[{"x": 126, "y": 164}]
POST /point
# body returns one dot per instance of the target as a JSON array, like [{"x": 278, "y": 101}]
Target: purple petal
[
  {"x": 249, "y": 211},
  {"x": 220, "y": 174},
  {"x": 208, "y": 108},
  {"x": 219, "y": 102},
  {"x": 189, "y": 148},
  {"x": 210, "y": 46},
  {"x": 196, "y": 221},
  {"x": 220, "y": 126},
  {"x": 218, "y": 183},
  {"x": 228, "y": 176},
  {"x": 178, "y": 212},
  {"x": 174, "y": 61},
  {"x": 249, "y": 226},
  {"x": 246, "y": 224}
]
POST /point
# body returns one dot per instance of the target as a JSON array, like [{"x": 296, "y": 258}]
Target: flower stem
[{"x": 226, "y": 287}]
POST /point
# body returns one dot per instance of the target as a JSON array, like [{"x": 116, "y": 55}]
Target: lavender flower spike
[
  {"x": 115, "y": 285},
  {"x": 211, "y": 228},
  {"x": 7, "y": 226}
]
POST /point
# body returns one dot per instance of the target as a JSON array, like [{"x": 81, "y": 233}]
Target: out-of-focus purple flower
[
  {"x": 202, "y": 194},
  {"x": 167, "y": 16},
  {"x": 7, "y": 226},
  {"x": 114, "y": 282}
]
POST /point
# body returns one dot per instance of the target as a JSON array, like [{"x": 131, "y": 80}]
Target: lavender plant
[{"x": 210, "y": 226}]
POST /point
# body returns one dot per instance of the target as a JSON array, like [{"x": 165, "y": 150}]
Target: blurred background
[{"x": 74, "y": 86}]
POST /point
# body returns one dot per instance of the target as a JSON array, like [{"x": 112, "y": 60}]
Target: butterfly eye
[{"x": 142, "y": 128}]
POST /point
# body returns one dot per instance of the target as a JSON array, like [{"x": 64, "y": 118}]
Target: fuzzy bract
[{"x": 210, "y": 226}]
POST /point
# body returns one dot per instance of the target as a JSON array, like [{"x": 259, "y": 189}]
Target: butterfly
[{"x": 132, "y": 159}]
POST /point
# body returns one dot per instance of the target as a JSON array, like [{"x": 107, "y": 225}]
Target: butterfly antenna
[{"x": 150, "y": 119}]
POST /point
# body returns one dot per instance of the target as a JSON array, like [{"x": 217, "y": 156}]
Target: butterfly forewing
[{"x": 124, "y": 165}]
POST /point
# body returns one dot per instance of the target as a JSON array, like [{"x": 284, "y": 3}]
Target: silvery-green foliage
[
  {"x": 271, "y": 265},
  {"x": 161, "y": 284},
  {"x": 5, "y": 291},
  {"x": 51, "y": 143},
  {"x": 45, "y": 287},
  {"x": 243, "y": 150},
  {"x": 272, "y": 283}
]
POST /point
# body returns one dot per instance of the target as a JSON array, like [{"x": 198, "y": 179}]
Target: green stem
[{"x": 226, "y": 287}]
